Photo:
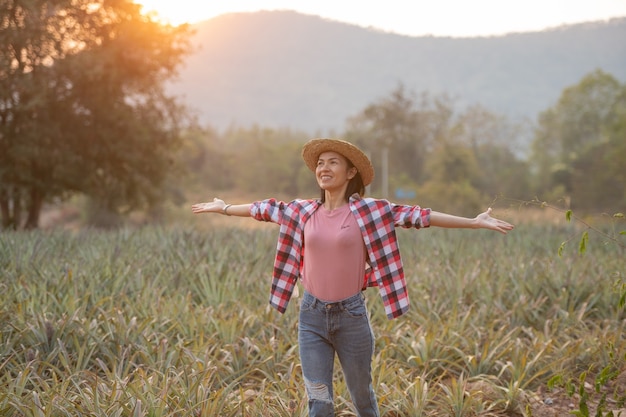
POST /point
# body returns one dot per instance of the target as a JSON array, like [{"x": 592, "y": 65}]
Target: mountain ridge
[{"x": 287, "y": 69}]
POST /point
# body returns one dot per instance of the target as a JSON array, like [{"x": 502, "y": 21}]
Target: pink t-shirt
[{"x": 334, "y": 254}]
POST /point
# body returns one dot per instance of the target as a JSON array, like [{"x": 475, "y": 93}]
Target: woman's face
[{"x": 333, "y": 172}]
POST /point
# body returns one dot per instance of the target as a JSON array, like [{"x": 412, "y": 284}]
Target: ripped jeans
[{"x": 341, "y": 327}]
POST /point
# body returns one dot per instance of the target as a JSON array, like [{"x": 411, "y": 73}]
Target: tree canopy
[
  {"x": 82, "y": 105},
  {"x": 580, "y": 145},
  {"x": 83, "y": 110},
  {"x": 452, "y": 159}
]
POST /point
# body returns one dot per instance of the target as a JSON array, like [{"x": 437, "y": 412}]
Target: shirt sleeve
[
  {"x": 270, "y": 210},
  {"x": 410, "y": 216}
]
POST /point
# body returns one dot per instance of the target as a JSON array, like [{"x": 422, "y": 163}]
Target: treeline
[
  {"x": 83, "y": 111},
  {"x": 428, "y": 151},
  {"x": 83, "y": 108}
]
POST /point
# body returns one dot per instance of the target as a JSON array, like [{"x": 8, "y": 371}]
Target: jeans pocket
[
  {"x": 306, "y": 305},
  {"x": 356, "y": 309}
]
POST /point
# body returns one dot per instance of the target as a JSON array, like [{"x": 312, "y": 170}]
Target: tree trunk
[
  {"x": 4, "y": 209},
  {"x": 10, "y": 205},
  {"x": 385, "y": 174},
  {"x": 34, "y": 209}
]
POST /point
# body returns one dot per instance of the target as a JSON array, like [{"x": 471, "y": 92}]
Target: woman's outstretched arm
[
  {"x": 482, "y": 221},
  {"x": 220, "y": 207}
]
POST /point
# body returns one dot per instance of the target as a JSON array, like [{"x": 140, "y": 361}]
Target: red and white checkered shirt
[{"x": 377, "y": 220}]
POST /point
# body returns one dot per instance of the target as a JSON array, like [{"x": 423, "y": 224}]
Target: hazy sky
[{"x": 412, "y": 17}]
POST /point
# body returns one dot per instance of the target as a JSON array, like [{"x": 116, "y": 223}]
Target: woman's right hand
[{"x": 215, "y": 206}]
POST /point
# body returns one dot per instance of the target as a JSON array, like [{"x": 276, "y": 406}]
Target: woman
[{"x": 339, "y": 245}]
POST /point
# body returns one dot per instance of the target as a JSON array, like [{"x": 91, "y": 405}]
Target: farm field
[{"x": 166, "y": 322}]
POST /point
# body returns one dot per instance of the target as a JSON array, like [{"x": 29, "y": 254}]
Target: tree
[
  {"x": 576, "y": 134},
  {"x": 598, "y": 175},
  {"x": 266, "y": 159},
  {"x": 392, "y": 127},
  {"x": 415, "y": 131},
  {"x": 452, "y": 171},
  {"x": 82, "y": 105},
  {"x": 209, "y": 164},
  {"x": 493, "y": 141}
]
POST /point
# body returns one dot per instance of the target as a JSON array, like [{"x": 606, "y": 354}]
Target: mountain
[{"x": 286, "y": 69}]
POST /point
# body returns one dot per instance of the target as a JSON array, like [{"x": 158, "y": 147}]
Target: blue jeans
[{"x": 341, "y": 327}]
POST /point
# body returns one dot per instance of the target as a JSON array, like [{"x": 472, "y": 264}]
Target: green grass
[{"x": 176, "y": 322}]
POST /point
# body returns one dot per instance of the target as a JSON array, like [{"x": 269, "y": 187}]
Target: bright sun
[
  {"x": 177, "y": 12},
  {"x": 172, "y": 12},
  {"x": 443, "y": 17}
]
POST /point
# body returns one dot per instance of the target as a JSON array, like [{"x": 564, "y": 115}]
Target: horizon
[{"x": 419, "y": 18}]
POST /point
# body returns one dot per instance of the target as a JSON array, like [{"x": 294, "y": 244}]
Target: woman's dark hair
[{"x": 355, "y": 185}]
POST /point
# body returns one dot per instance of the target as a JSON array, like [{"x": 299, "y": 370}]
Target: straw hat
[{"x": 315, "y": 147}]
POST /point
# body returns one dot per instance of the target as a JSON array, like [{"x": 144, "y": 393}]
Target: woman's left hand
[{"x": 485, "y": 221}]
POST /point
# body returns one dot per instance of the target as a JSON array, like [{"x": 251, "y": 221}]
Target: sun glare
[
  {"x": 177, "y": 12},
  {"x": 400, "y": 16}
]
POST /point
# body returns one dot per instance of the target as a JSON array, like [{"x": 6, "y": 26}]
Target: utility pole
[{"x": 385, "y": 173}]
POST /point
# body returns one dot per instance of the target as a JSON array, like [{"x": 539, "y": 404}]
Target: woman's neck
[{"x": 333, "y": 200}]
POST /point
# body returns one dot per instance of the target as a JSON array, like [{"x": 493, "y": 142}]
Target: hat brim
[{"x": 315, "y": 147}]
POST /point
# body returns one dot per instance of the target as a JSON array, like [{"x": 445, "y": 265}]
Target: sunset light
[
  {"x": 178, "y": 12},
  {"x": 416, "y": 18}
]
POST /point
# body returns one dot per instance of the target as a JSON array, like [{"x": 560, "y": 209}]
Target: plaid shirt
[{"x": 377, "y": 220}]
